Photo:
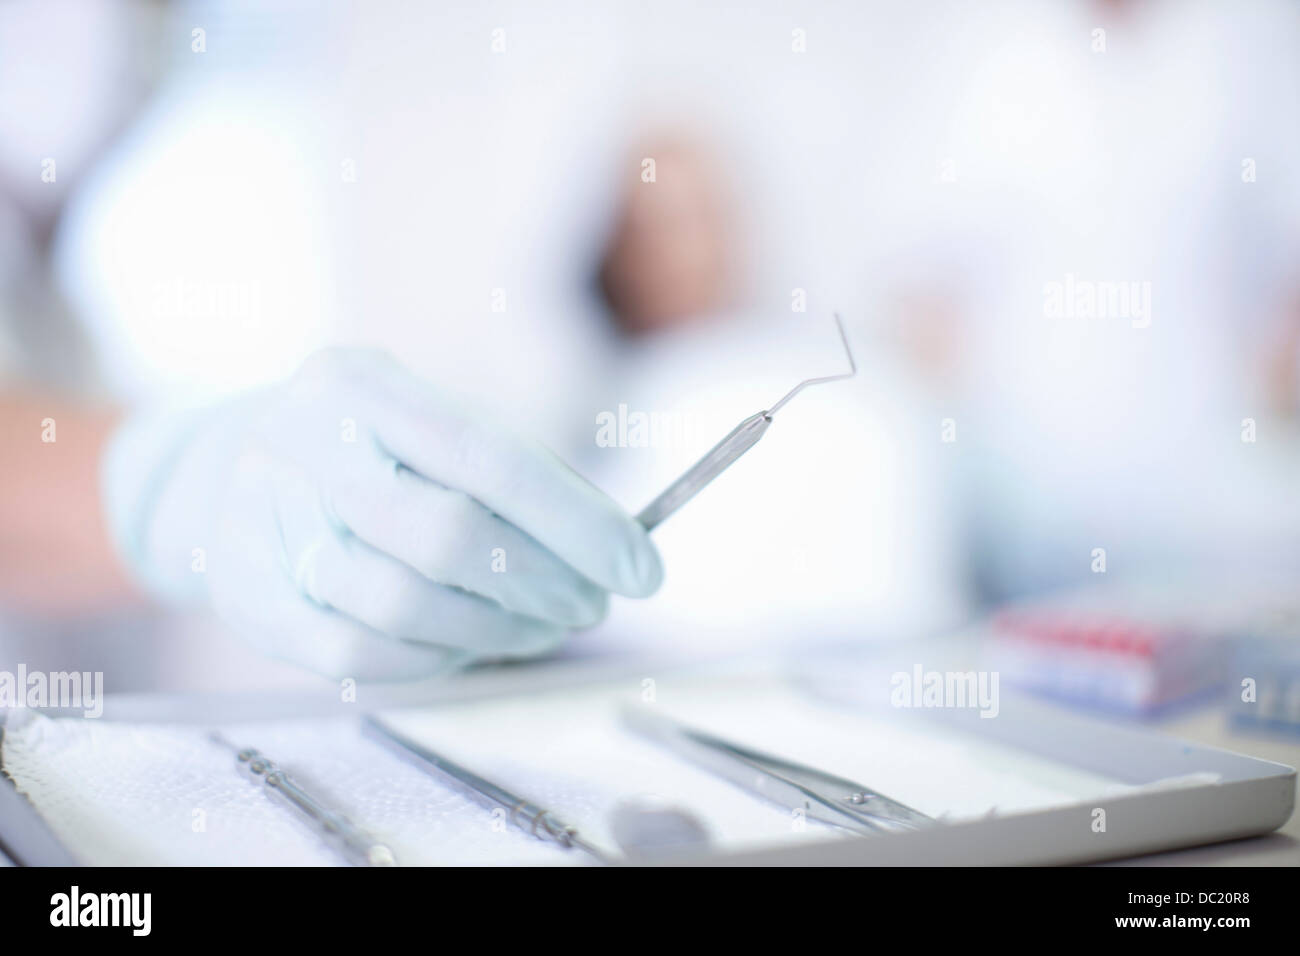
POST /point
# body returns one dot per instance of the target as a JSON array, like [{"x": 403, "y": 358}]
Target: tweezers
[{"x": 820, "y": 796}]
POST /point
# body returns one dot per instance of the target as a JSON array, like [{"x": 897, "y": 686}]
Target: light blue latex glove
[{"x": 355, "y": 522}]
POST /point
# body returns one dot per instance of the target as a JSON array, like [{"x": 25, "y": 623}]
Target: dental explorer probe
[{"x": 740, "y": 440}]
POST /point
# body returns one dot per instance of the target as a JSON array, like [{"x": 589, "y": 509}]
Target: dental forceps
[
  {"x": 819, "y": 795},
  {"x": 740, "y": 440}
]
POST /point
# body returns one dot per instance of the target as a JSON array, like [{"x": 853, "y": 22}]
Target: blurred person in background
[
  {"x": 73, "y": 75},
  {"x": 195, "y": 254},
  {"x": 244, "y": 222},
  {"x": 467, "y": 190},
  {"x": 1085, "y": 147}
]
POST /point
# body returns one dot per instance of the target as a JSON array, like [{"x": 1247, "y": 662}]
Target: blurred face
[{"x": 671, "y": 259}]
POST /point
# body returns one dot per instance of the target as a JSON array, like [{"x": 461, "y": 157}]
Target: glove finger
[
  {"x": 335, "y": 646},
  {"x": 516, "y": 478},
  {"x": 252, "y": 588},
  {"x": 282, "y": 623},
  {"x": 392, "y": 598},
  {"x": 450, "y": 538}
]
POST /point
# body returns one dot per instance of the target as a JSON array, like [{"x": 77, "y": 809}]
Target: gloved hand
[{"x": 353, "y": 521}]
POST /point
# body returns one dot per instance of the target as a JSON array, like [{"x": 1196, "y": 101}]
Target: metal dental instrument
[
  {"x": 344, "y": 836},
  {"x": 820, "y": 796},
  {"x": 523, "y": 813},
  {"x": 740, "y": 440}
]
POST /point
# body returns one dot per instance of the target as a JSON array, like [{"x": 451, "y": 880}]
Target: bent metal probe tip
[
  {"x": 741, "y": 438},
  {"x": 853, "y": 370}
]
